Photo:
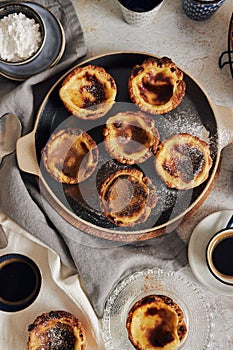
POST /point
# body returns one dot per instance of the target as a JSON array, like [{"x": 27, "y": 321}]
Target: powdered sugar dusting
[
  {"x": 20, "y": 37},
  {"x": 183, "y": 121}
]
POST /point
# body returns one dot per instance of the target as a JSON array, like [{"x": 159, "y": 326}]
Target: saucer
[
  {"x": 50, "y": 55},
  {"x": 197, "y": 250}
]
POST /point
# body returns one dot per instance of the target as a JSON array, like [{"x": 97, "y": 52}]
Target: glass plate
[{"x": 185, "y": 293}]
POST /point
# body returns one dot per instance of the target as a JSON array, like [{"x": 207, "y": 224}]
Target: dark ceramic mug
[
  {"x": 219, "y": 254},
  {"x": 201, "y": 10},
  {"x": 20, "y": 282}
]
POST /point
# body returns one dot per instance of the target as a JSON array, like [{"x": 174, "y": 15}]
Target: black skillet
[{"x": 79, "y": 204}]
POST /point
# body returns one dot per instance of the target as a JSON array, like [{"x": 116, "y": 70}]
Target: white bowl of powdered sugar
[{"x": 22, "y": 34}]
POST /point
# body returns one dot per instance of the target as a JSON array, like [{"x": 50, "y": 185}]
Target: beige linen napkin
[{"x": 60, "y": 290}]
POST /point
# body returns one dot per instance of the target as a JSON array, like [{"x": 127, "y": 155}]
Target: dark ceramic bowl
[{"x": 11, "y": 8}]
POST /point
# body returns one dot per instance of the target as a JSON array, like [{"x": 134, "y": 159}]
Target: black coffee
[
  {"x": 223, "y": 256},
  {"x": 18, "y": 281},
  {"x": 140, "y": 5}
]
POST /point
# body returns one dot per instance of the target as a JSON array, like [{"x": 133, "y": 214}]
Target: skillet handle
[
  {"x": 26, "y": 154},
  {"x": 224, "y": 116}
]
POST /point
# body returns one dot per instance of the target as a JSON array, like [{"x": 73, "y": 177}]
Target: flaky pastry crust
[
  {"x": 88, "y": 92},
  {"x": 127, "y": 197},
  {"x": 70, "y": 156},
  {"x": 156, "y": 322},
  {"x": 56, "y": 330},
  {"x": 183, "y": 161},
  {"x": 156, "y": 86},
  {"x": 131, "y": 137}
]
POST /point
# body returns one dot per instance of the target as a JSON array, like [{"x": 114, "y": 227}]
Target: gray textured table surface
[{"x": 195, "y": 47}]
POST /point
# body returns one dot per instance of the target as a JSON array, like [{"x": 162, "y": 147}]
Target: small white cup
[
  {"x": 139, "y": 13},
  {"x": 219, "y": 255}
]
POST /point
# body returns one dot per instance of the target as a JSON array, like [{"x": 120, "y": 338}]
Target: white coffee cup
[
  {"x": 139, "y": 13},
  {"x": 219, "y": 254}
]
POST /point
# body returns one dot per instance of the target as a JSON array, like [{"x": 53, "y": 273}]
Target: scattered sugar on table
[{"x": 20, "y": 37}]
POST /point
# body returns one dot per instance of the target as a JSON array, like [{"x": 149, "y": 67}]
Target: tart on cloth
[
  {"x": 88, "y": 92},
  {"x": 56, "y": 330},
  {"x": 156, "y": 86},
  {"x": 131, "y": 137},
  {"x": 70, "y": 155},
  {"x": 127, "y": 197},
  {"x": 156, "y": 322},
  {"x": 183, "y": 161}
]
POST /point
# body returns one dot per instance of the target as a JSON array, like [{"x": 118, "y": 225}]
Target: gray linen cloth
[
  {"x": 99, "y": 263},
  {"x": 23, "y": 100}
]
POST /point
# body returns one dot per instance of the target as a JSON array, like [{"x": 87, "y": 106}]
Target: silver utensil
[
  {"x": 10, "y": 132},
  {"x": 3, "y": 239}
]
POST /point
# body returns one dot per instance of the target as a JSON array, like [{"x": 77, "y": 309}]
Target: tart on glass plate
[
  {"x": 156, "y": 322},
  {"x": 56, "y": 330},
  {"x": 88, "y": 92},
  {"x": 169, "y": 305},
  {"x": 131, "y": 137},
  {"x": 70, "y": 156},
  {"x": 156, "y": 86}
]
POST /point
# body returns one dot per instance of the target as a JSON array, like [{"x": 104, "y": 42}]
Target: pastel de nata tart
[
  {"x": 88, "y": 92},
  {"x": 56, "y": 330},
  {"x": 156, "y": 86},
  {"x": 183, "y": 161},
  {"x": 127, "y": 197},
  {"x": 156, "y": 322},
  {"x": 131, "y": 137},
  {"x": 70, "y": 155}
]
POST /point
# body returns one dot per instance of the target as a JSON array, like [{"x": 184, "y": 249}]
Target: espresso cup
[
  {"x": 219, "y": 255},
  {"x": 139, "y": 12},
  {"x": 201, "y": 10},
  {"x": 20, "y": 282}
]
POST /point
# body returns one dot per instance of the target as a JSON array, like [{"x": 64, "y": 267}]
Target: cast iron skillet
[{"x": 79, "y": 204}]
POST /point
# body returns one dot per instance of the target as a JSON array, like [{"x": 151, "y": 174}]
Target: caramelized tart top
[
  {"x": 127, "y": 197},
  {"x": 183, "y": 161},
  {"x": 56, "y": 330},
  {"x": 88, "y": 92},
  {"x": 131, "y": 137},
  {"x": 157, "y": 85},
  {"x": 156, "y": 322},
  {"x": 70, "y": 156}
]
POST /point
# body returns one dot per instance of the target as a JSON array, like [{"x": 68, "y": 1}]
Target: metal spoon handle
[
  {"x": 230, "y": 222},
  {"x": 3, "y": 238},
  {"x": 10, "y": 132}
]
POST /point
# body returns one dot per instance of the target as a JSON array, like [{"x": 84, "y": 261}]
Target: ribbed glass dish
[{"x": 184, "y": 292}]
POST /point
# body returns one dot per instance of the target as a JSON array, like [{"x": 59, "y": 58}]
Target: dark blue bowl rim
[{"x": 206, "y": 2}]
